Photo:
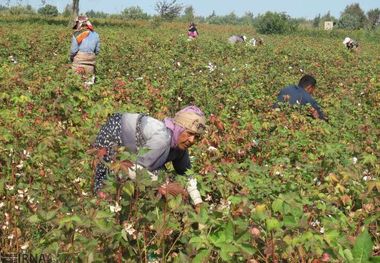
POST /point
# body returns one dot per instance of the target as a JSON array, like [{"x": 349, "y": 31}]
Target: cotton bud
[
  {"x": 325, "y": 257},
  {"x": 212, "y": 149},
  {"x": 25, "y": 246},
  {"x": 116, "y": 208},
  {"x": 368, "y": 207},
  {"x": 255, "y": 232}
]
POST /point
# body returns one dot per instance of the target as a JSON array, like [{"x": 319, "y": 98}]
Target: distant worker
[
  {"x": 256, "y": 41},
  {"x": 350, "y": 43},
  {"x": 85, "y": 45},
  {"x": 165, "y": 141},
  {"x": 236, "y": 39},
  {"x": 192, "y": 32},
  {"x": 301, "y": 94}
]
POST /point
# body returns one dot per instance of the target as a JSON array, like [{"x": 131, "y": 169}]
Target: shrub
[
  {"x": 48, "y": 10},
  {"x": 20, "y": 10},
  {"x": 134, "y": 12},
  {"x": 275, "y": 23},
  {"x": 353, "y": 17}
]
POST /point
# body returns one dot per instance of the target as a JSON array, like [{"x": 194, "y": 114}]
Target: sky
[{"x": 295, "y": 8}]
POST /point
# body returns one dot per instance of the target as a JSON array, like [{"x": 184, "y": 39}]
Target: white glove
[
  {"x": 132, "y": 172},
  {"x": 193, "y": 191}
]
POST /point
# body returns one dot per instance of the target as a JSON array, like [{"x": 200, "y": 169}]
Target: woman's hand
[
  {"x": 173, "y": 189},
  {"x": 102, "y": 195}
]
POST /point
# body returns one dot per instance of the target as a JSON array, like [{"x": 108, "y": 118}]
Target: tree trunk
[{"x": 75, "y": 9}]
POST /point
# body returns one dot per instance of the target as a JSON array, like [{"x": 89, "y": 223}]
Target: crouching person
[
  {"x": 301, "y": 94},
  {"x": 166, "y": 141},
  {"x": 256, "y": 41},
  {"x": 192, "y": 32},
  {"x": 236, "y": 39},
  {"x": 85, "y": 46},
  {"x": 350, "y": 44}
]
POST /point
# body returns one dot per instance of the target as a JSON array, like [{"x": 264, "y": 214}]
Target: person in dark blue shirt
[{"x": 301, "y": 94}]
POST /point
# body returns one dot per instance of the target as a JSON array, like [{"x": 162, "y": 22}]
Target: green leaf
[
  {"x": 234, "y": 199},
  {"x": 2, "y": 186},
  {"x": 202, "y": 256},
  {"x": 124, "y": 234},
  {"x": 203, "y": 215},
  {"x": 247, "y": 249},
  {"x": 369, "y": 159},
  {"x": 277, "y": 205},
  {"x": 218, "y": 239},
  {"x": 68, "y": 221},
  {"x": 34, "y": 219},
  {"x": 102, "y": 225},
  {"x": 103, "y": 214},
  {"x": 229, "y": 232},
  {"x": 348, "y": 255},
  {"x": 375, "y": 260},
  {"x": 129, "y": 188},
  {"x": 331, "y": 237},
  {"x": 290, "y": 221},
  {"x": 197, "y": 242},
  {"x": 227, "y": 251},
  {"x": 372, "y": 185},
  {"x": 53, "y": 247},
  {"x": 363, "y": 247},
  {"x": 50, "y": 215},
  {"x": 272, "y": 224}
]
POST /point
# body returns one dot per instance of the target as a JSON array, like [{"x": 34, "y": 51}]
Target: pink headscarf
[
  {"x": 176, "y": 129},
  {"x": 82, "y": 21}
]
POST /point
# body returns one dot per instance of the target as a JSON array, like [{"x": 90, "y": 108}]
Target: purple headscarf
[{"x": 176, "y": 129}]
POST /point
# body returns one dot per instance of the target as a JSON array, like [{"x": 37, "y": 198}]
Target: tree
[
  {"x": 212, "y": 15},
  {"x": 96, "y": 14},
  {"x": 317, "y": 20},
  {"x": 134, "y": 12},
  {"x": 168, "y": 10},
  {"x": 349, "y": 21},
  {"x": 3, "y": 8},
  {"x": 373, "y": 18},
  {"x": 231, "y": 18},
  {"x": 353, "y": 17},
  {"x": 75, "y": 10},
  {"x": 275, "y": 23},
  {"x": 67, "y": 11},
  {"x": 247, "y": 19},
  {"x": 48, "y": 10},
  {"x": 328, "y": 17},
  {"x": 188, "y": 14},
  {"x": 21, "y": 10}
]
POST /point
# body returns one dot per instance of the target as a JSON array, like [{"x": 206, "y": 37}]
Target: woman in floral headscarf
[
  {"x": 85, "y": 45},
  {"x": 166, "y": 141}
]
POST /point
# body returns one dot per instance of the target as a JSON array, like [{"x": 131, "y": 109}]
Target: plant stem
[{"x": 175, "y": 241}]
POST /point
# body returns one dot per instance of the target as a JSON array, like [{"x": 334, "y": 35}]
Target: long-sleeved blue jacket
[
  {"x": 91, "y": 44},
  {"x": 297, "y": 95}
]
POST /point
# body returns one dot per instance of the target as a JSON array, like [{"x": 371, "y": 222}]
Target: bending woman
[
  {"x": 85, "y": 46},
  {"x": 166, "y": 141}
]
